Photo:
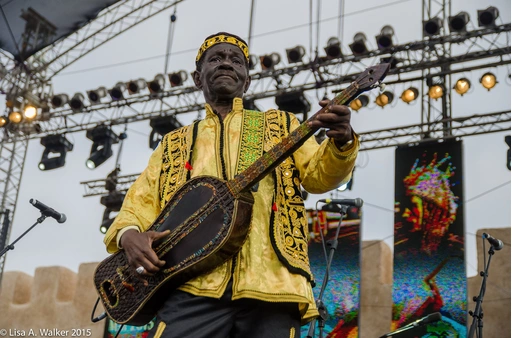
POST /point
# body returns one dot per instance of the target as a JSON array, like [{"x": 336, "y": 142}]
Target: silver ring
[{"x": 140, "y": 269}]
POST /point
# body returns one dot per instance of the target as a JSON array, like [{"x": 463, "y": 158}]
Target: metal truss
[
  {"x": 12, "y": 160},
  {"x": 322, "y": 73},
  {"x": 377, "y": 139}
]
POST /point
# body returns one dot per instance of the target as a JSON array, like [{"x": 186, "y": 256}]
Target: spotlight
[
  {"x": 116, "y": 93},
  {"x": 113, "y": 203},
  {"x": 409, "y": 95},
  {"x": 462, "y": 86},
  {"x": 77, "y": 102},
  {"x": 432, "y": 27},
  {"x": 15, "y": 117},
  {"x": 54, "y": 155},
  {"x": 294, "y": 102},
  {"x": 295, "y": 54},
  {"x": 103, "y": 138},
  {"x": 435, "y": 91},
  {"x": 95, "y": 96},
  {"x": 333, "y": 48},
  {"x": 178, "y": 78},
  {"x": 488, "y": 80},
  {"x": 157, "y": 85},
  {"x": 253, "y": 61},
  {"x": 30, "y": 112},
  {"x": 135, "y": 86},
  {"x": 269, "y": 61},
  {"x": 358, "y": 47},
  {"x": 385, "y": 38},
  {"x": 59, "y": 100},
  {"x": 507, "y": 141},
  {"x": 384, "y": 99},
  {"x": 360, "y": 102},
  {"x": 3, "y": 121},
  {"x": 162, "y": 125},
  {"x": 487, "y": 17},
  {"x": 457, "y": 23}
]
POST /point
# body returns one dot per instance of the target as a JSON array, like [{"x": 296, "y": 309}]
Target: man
[{"x": 265, "y": 290}]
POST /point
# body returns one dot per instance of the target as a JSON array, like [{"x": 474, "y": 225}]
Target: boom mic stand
[
  {"x": 11, "y": 246},
  {"x": 342, "y": 209}
]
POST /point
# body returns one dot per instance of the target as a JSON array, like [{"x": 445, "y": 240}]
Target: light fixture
[
  {"x": 384, "y": 99},
  {"x": 54, "y": 155},
  {"x": 359, "y": 102},
  {"x": 432, "y": 27},
  {"x": 269, "y": 61},
  {"x": 77, "y": 102},
  {"x": 488, "y": 80},
  {"x": 457, "y": 23},
  {"x": 59, "y": 100},
  {"x": 293, "y": 102},
  {"x": 253, "y": 61},
  {"x": 30, "y": 112},
  {"x": 358, "y": 47},
  {"x": 157, "y": 85},
  {"x": 116, "y": 93},
  {"x": 333, "y": 48},
  {"x": 409, "y": 95},
  {"x": 462, "y": 86},
  {"x": 103, "y": 138},
  {"x": 507, "y": 141},
  {"x": 161, "y": 125},
  {"x": 113, "y": 203},
  {"x": 96, "y": 95},
  {"x": 135, "y": 86},
  {"x": 15, "y": 117},
  {"x": 178, "y": 78},
  {"x": 295, "y": 54},
  {"x": 435, "y": 91},
  {"x": 487, "y": 17},
  {"x": 385, "y": 38},
  {"x": 3, "y": 121}
]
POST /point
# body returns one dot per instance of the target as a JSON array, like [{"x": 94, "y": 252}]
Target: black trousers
[{"x": 184, "y": 315}]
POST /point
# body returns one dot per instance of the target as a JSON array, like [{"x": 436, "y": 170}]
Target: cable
[
  {"x": 10, "y": 32},
  {"x": 488, "y": 191}
]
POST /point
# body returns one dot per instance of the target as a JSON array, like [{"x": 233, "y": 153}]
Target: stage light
[
  {"x": 160, "y": 126},
  {"x": 293, "y": 102},
  {"x": 30, "y": 112},
  {"x": 435, "y": 91},
  {"x": 96, "y": 95},
  {"x": 487, "y": 17},
  {"x": 103, "y": 138},
  {"x": 333, "y": 48},
  {"x": 54, "y": 155},
  {"x": 116, "y": 93},
  {"x": 359, "y": 102},
  {"x": 178, "y": 78},
  {"x": 15, "y": 117},
  {"x": 3, "y": 121},
  {"x": 488, "y": 80},
  {"x": 135, "y": 86},
  {"x": 59, "y": 100},
  {"x": 269, "y": 61},
  {"x": 507, "y": 141},
  {"x": 253, "y": 61},
  {"x": 462, "y": 86},
  {"x": 77, "y": 102},
  {"x": 113, "y": 203},
  {"x": 384, "y": 99},
  {"x": 409, "y": 95},
  {"x": 295, "y": 54},
  {"x": 432, "y": 27},
  {"x": 358, "y": 47},
  {"x": 157, "y": 85},
  {"x": 385, "y": 38},
  {"x": 457, "y": 23}
]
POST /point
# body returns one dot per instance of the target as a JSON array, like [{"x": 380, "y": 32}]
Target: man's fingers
[{"x": 158, "y": 235}]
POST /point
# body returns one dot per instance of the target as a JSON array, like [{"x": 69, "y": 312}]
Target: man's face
[{"x": 224, "y": 74}]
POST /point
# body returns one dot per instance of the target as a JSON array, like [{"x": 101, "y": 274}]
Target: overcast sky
[{"x": 277, "y": 25}]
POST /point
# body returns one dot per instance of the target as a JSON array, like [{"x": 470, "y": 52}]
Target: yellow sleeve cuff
[{"x": 122, "y": 231}]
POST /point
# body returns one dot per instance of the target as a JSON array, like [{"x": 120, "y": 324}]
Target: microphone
[
  {"x": 356, "y": 202},
  {"x": 414, "y": 326},
  {"x": 47, "y": 211},
  {"x": 496, "y": 243},
  {"x": 431, "y": 318}
]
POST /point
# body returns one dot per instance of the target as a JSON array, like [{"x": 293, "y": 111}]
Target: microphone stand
[
  {"x": 478, "y": 314},
  {"x": 11, "y": 246},
  {"x": 342, "y": 209}
]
